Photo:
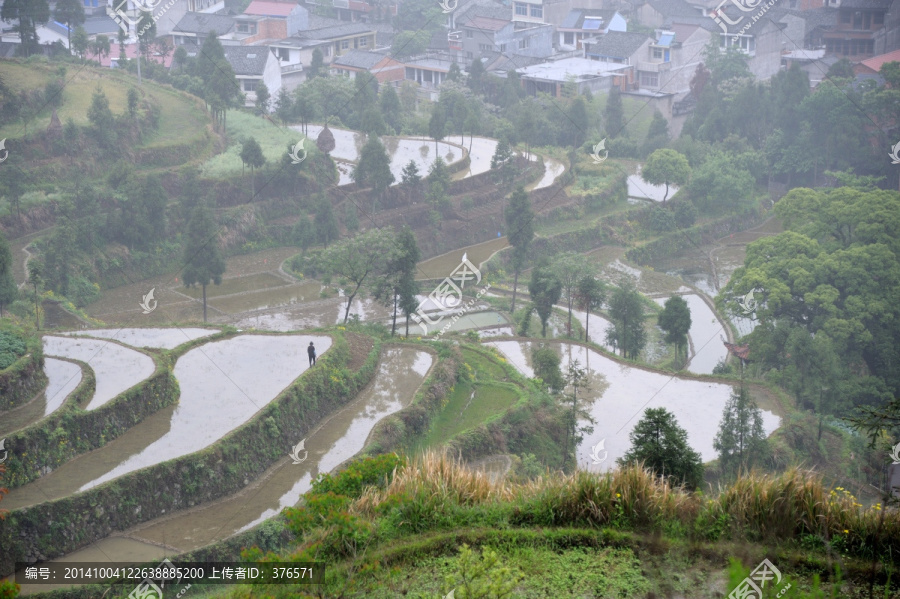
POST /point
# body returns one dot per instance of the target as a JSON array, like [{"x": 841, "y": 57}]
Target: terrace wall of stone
[
  {"x": 52, "y": 529},
  {"x": 24, "y": 378}
]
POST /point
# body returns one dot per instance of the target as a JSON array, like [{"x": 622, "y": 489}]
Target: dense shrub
[{"x": 12, "y": 347}]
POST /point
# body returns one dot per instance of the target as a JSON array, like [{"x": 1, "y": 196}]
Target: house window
[
  {"x": 657, "y": 53},
  {"x": 485, "y": 47},
  {"x": 363, "y": 42},
  {"x": 246, "y": 28},
  {"x": 469, "y": 55},
  {"x": 745, "y": 42},
  {"x": 537, "y": 11},
  {"x": 249, "y": 85},
  {"x": 503, "y": 47},
  {"x": 345, "y": 44},
  {"x": 648, "y": 79},
  {"x": 845, "y": 17},
  {"x": 326, "y": 51},
  {"x": 523, "y": 43},
  {"x": 878, "y": 18},
  {"x": 469, "y": 34},
  {"x": 521, "y": 9},
  {"x": 568, "y": 39}
]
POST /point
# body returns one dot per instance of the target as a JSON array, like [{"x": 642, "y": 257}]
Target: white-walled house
[{"x": 253, "y": 65}]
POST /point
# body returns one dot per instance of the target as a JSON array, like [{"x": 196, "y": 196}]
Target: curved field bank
[
  {"x": 56, "y": 528},
  {"x": 619, "y": 394},
  {"x": 24, "y": 378},
  {"x": 62, "y": 379},
  {"x": 159, "y": 338}
]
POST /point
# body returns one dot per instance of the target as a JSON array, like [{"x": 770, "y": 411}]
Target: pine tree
[
  {"x": 520, "y": 232},
  {"x": 661, "y": 445},
  {"x": 615, "y": 114},
  {"x": 203, "y": 259},
  {"x": 741, "y": 440}
]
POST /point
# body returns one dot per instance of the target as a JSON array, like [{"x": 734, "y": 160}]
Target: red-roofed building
[
  {"x": 131, "y": 51},
  {"x": 873, "y": 65}
]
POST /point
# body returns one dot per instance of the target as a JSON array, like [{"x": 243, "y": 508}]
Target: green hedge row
[
  {"x": 24, "y": 378},
  {"x": 51, "y": 529}
]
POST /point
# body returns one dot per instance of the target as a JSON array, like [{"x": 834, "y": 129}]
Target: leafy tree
[
  {"x": 59, "y": 255},
  {"x": 502, "y": 162},
  {"x": 71, "y": 13},
  {"x": 410, "y": 175},
  {"x": 132, "y": 102},
  {"x": 80, "y": 41},
  {"x": 722, "y": 182},
  {"x": 675, "y": 320},
  {"x": 667, "y": 167},
  {"x": 626, "y": 311},
  {"x": 570, "y": 268},
  {"x": 410, "y": 42},
  {"x": 578, "y": 118},
  {"x": 614, "y": 114},
  {"x": 437, "y": 126},
  {"x": 662, "y": 446},
  {"x": 439, "y": 185},
  {"x": 685, "y": 214},
  {"x": 891, "y": 73},
  {"x": 659, "y": 126},
  {"x": 103, "y": 123},
  {"x": 252, "y": 156},
  {"x": 520, "y": 232},
  {"x": 576, "y": 378},
  {"x": 304, "y": 233},
  {"x": 454, "y": 74},
  {"x": 351, "y": 220},
  {"x": 545, "y": 289},
  {"x": 395, "y": 287},
  {"x": 741, "y": 440},
  {"x": 203, "y": 262},
  {"x": 359, "y": 260},
  {"x": 590, "y": 294},
  {"x": 284, "y": 106},
  {"x": 36, "y": 280},
  {"x": 842, "y": 69},
  {"x": 27, "y": 14},
  {"x": 8, "y": 289},
  {"x": 374, "y": 168},
  {"x": 146, "y": 33},
  {"x": 316, "y": 65},
  {"x": 391, "y": 110},
  {"x": 477, "y": 75},
  {"x": 262, "y": 98},
  {"x": 545, "y": 363},
  {"x": 326, "y": 223}
]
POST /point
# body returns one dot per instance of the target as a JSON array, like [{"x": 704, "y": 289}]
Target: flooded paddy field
[
  {"x": 706, "y": 334},
  {"x": 337, "y": 439},
  {"x": 221, "y": 388},
  {"x": 116, "y": 368},
  {"x": 162, "y": 338},
  {"x": 444, "y": 265},
  {"x": 619, "y": 395},
  {"x": 62, "y": 378}
]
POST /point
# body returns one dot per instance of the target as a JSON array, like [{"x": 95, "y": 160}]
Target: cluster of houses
[{"x": 649, "y": 48}]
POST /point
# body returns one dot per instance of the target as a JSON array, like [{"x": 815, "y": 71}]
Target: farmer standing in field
[{"x": 311, "y": 350}]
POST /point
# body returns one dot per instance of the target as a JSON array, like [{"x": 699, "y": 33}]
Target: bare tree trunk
[
  {"x": 394, "y": 321},
  {"x": 515, "y": 285},
  {"x": 204, "y": 303},
  {"x": 587, "y": 322}
]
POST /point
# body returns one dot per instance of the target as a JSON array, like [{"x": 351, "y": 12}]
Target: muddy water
[
  {"x": 167, "y": 338},
  {"x": 254, "y": 282},
  {"x": 444, "y": 265},
  {"x": 121, "y": 305},
  {"x": 268, "y": 298},
  {"x": 342, "y": 436},
  {"x": 223, "y": 384},
  {"x": 116, "y": 368},
  {"x": 706, "y": 335},
  {"x": 483, "y": 149},
  {"x": 620, "y": 394},
  {"x": 62, "y": 378}
]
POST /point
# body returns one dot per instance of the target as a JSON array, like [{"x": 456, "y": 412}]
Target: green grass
[
  {"x": 273, "y": 140},
  {"x": 182, "y": 120},
  {"x": 465, "y": 411}
]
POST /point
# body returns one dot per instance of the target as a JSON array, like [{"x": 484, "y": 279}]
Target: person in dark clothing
[{"x": 311, "y": 350}]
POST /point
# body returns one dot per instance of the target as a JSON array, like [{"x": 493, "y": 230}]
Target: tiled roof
[
  {"x": 486, "y": 23},
  {"x": 359, "y": 59},
  {"x": 885, "y": 4},
  {"x": 673, "y": 8},
  {"x": 575, "y": 18},
  {"x": 875, "y": 63},
  {"x": 269, "y": 8},
  {"x": 202, "y": 23},
  {"x": 100, "y": 24},
  {"x": 318, "y": 22},
  {"x": 618, "y": 44},
  {"x": 247, "y": 60},
  {"x": 327, "y": 33}
]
